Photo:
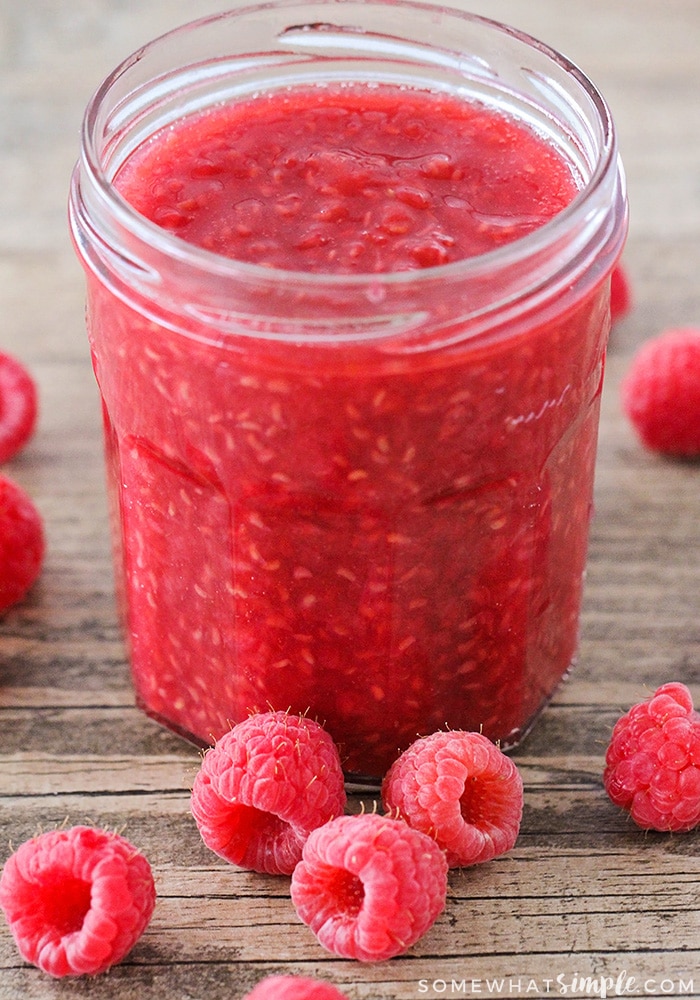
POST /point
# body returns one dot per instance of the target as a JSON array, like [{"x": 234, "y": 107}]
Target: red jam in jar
[{"x": 378, "y": 517}]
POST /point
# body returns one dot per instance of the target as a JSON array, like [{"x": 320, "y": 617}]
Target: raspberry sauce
[
  {"x": 348, "y": 179},
  {"x": 392, "y": 541}
]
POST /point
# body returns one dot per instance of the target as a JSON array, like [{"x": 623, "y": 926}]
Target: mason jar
[{"x": 362, "y": 496}]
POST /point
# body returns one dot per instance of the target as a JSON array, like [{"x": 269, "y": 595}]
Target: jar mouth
[{"x": 93, "y": 176}]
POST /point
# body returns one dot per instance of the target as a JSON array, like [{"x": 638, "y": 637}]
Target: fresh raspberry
[
  {"x": 460, "y": 789},
  {"x": 620, "y": 294},
  {"x": 369, "y": 886},
  {"x": 264, "y": 787},
  {"x": 18, "y": 406},
  {"x": 661, "y": 392},
  {"x": 21, "y": 543},
  {"x": 294, "y": 988},
  {"x": 76, "y": 900},
  {"x": 652, "y": 765}
]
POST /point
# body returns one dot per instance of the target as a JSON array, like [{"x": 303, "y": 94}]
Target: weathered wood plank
[
  {"x": 576, "y": 692},
  {"x": 43, "y": 774}
]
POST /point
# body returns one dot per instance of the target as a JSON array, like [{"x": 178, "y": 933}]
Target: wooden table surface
[{"x": 584, "y": 894}]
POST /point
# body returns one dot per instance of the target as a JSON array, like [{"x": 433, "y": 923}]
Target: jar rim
[{"x": 190, "y": 255}]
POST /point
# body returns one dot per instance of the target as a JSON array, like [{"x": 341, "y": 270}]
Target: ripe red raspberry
[
  {"x": 18, "y": 406},
  {"x": 460, "y": 789},
  {"x": 294, "y": 988},
  {"x": 264, "y": 787},
  {"x": 369, "y": 886},
  {"x": 21, "y": 543},
  {"x": 76, "y": 900},
  {"x": 620, "y": 294},
  {"x": 661, "y": 392},
  {"x": 652, "y": 765}
]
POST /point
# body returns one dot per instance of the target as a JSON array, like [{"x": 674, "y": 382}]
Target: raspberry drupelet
[
  {"x": 652, "y": 764},
  {"x": 264, "y": 787}
]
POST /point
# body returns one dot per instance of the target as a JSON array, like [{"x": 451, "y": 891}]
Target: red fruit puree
[{"x": 393, "y": 542}]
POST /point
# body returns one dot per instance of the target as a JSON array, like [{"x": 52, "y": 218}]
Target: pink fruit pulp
[{"x": 393, "y": 543}]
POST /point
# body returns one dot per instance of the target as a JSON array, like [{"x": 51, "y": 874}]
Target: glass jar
[{"x": 365, "y": 497}]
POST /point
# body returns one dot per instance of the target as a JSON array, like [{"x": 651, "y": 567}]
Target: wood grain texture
[{"x": 584, "y": 894}]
